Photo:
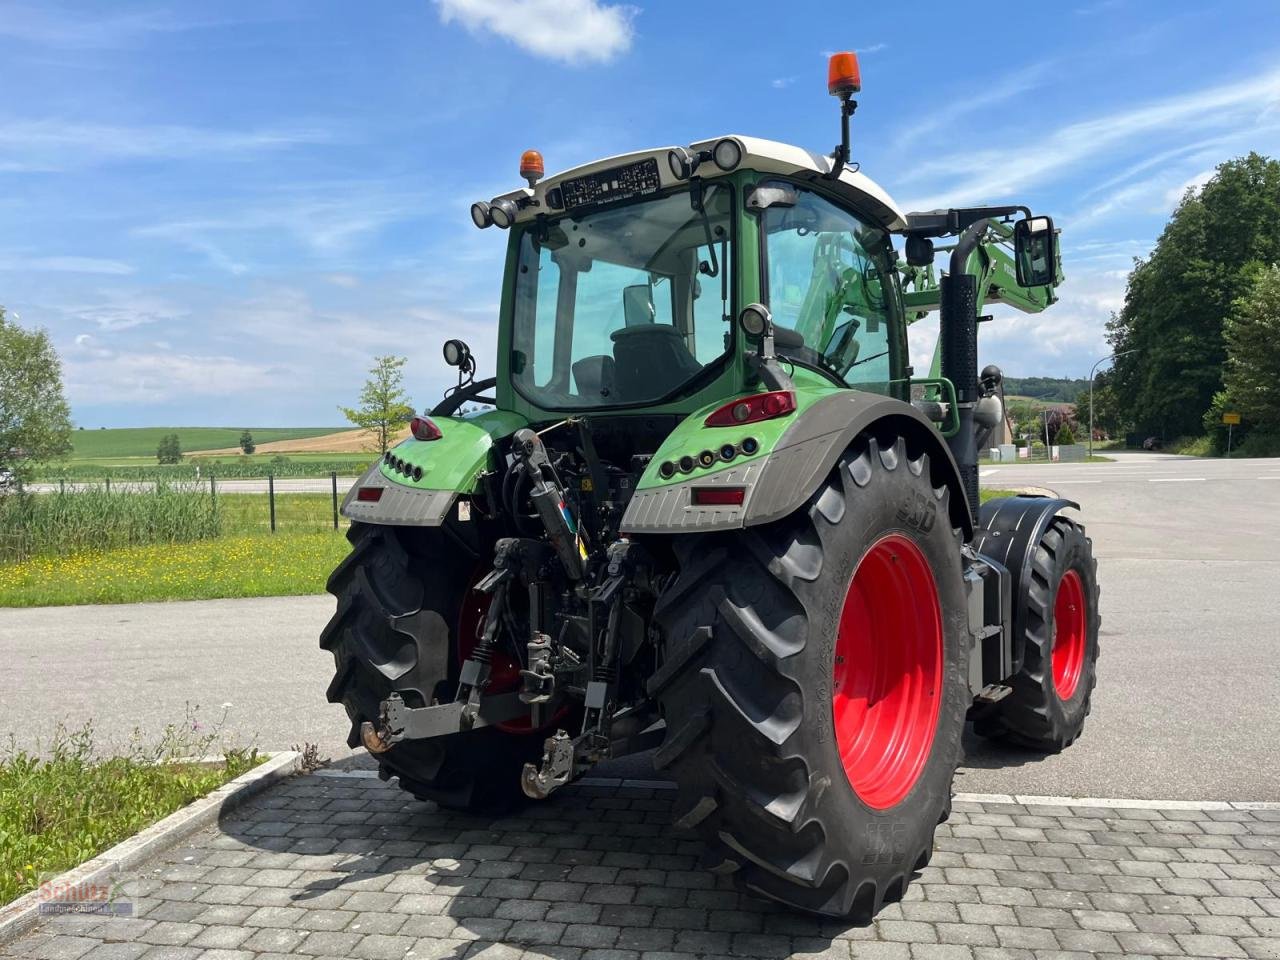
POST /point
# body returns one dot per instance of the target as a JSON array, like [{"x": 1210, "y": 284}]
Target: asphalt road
[{"x": 1188, "y": 702}]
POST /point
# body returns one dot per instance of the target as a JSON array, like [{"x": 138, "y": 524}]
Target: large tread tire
[
  {"x": 1034, "y": 715},
  {"x": 399, "y": 598},
  {"x": 746, "y": 690}
]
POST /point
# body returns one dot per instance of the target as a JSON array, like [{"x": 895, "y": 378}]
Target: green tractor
[{"x": 708, "y": 510}]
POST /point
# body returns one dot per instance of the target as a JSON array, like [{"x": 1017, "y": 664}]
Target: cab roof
[{"x": 766, "y": 156}]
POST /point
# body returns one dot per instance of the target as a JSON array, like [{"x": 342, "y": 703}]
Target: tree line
[{"x": 1199, "y": 332}]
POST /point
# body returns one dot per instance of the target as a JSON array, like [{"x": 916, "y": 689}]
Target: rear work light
[
  {"x": 369, "y": 494},
  {"x": 423, "y": 428},
  {"x": 719, "y": 496},
  {"x": 758, "y": 406}
]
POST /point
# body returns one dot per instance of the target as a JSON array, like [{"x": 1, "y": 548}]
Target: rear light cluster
[
  {"x": 405, "y": 469},
  {"x": 753, "y": 408},
  {"x": 708, "y": 458},
  {"x": 424, "y": 428}
]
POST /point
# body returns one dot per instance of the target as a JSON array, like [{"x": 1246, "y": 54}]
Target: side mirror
[
  {"x": 1035, "y": 251},
  {"x": 771, "y": 193},
  {"x": 637, "y": 305}
]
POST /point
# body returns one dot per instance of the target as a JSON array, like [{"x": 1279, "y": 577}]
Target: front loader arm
[{"x": 992, "y": 264}]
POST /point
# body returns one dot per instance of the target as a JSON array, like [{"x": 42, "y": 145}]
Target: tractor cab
[{"x": 625, "y": 277}]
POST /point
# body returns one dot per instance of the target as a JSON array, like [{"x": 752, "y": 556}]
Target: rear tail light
[
  {"x": 719, "y": 496},
  {"x": 750, "y": 409},
  {"x": 423, "y": 428},
  {"x": 369, "y": 494}
]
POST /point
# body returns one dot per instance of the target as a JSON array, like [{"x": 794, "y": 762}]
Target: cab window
[{"x": 831, "y": 280}]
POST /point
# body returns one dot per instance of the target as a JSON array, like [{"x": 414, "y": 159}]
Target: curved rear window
[{"x": 623, "y": 306}]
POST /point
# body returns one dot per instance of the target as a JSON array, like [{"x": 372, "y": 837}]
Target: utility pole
[{"x": 1092, "y": 372}]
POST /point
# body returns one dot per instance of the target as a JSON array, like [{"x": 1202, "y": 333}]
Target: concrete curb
[{"x": 18, "y": 917}]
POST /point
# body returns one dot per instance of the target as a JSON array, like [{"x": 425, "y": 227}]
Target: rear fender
[
  {"x": 790, "y": 467},
  {"x": 421, "y": 479}
]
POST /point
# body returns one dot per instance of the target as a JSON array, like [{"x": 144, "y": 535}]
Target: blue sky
[{"x": 222, "y": 211}]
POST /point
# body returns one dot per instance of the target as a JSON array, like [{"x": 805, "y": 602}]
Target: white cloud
[
  {"x": 325, "y": 219},
  {"x": 118, "y": 310},
  {"x": 1001, "y": 173},
  {"x": 571, "y": 31},
  {"x": 782, "y": 83},
  {"x": 1173, "y": 196},
  {"x": 19, "y": 264},
  {"x": 51, "y": 145},
  {"x": 997, "y": 90},
  {"x": 101, "y": 376}
]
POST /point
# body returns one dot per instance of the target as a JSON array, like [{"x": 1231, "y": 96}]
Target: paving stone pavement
[{"x": 346, "y": 866}]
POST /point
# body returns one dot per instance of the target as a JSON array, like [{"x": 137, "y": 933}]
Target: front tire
[
  {"x": 815, "y": 686},
  {"x": 1052, "y": 693}
]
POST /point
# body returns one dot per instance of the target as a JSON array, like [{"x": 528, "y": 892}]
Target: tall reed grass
[
  {"x": 56, "y": 524},
  {"x": 242, "y": 468}
]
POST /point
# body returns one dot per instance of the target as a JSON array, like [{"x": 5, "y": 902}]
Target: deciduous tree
[
  {"x": 1253, "y": 351},
  {"x": 383, "y": 405},
  {"x": 1178, "y": 299},
  {"x": 35, "y": 420}
]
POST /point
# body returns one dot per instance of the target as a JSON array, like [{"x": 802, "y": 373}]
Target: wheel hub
[{"x": 888, "y": 671}]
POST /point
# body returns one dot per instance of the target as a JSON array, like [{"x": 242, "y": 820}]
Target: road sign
[{"x": 1231, "y": 419}]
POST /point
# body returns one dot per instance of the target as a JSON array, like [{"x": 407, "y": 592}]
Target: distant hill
[
  {"x": 142, "y": 441},
  {"x": 1048, "y": 389}
]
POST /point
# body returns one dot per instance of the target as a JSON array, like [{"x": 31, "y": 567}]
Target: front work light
[
  {"x": 681, "y": 162},
  {"x": 727, "y": 154},
  {"x": 502, "y": 212},
  {"x": 480, "y": 214}
]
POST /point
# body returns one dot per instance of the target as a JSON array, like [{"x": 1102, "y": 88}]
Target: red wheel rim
[
  {"x": 1068, "y": 635},
  {"x": 887, "y": 675}
]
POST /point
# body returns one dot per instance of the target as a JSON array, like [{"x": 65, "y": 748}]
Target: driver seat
[{"x": 650, "y": 360}]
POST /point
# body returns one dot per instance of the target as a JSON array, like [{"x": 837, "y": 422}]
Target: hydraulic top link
[{"x": 547, "y": 497}]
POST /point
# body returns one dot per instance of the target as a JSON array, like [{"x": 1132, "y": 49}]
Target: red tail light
[
  {"x": 423, "y": 428},
  {"x": 369, "y": 494},
  {"x": 719, "y": 496},
  {"x": 757, "y": 406}
]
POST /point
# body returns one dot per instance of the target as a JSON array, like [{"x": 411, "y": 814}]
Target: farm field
[{"x": 142, "y": 441}]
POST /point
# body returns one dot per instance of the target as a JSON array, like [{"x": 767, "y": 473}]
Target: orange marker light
[
  {"x": 843, "y": 76},
  {"x": 531, "y": 167}
]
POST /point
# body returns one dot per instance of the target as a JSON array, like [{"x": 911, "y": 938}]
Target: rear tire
[
  {"x": 781, "y": 762},
  {"x": 400, "y": 597},
  {"x": 1053, "y": 692}
]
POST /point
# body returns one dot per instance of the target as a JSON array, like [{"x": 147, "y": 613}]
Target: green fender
[
  {"x": 451, "y": 466},
  {"x": 796, "y": 453}
]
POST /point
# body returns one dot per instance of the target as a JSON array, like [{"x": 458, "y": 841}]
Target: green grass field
[
  {"x": 244, "y": 565},
  {"x": 142, "y": 441},
  {"x": 247, "y": 561}
]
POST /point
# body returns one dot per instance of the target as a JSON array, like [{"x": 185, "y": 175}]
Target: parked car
[{"x": 7, "y": 480}]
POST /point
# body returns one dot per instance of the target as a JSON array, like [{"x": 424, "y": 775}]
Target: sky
[{"x": 222, "y": 212}]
